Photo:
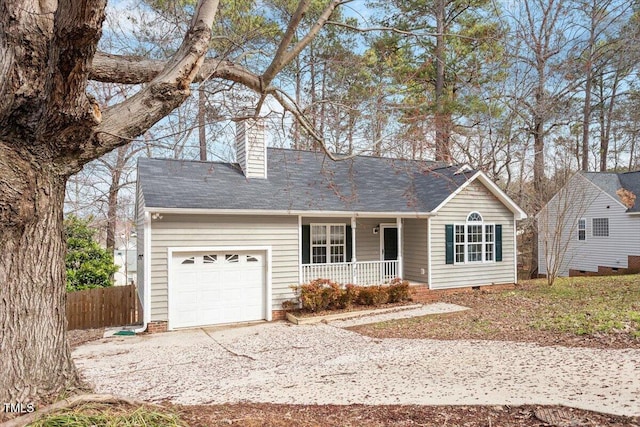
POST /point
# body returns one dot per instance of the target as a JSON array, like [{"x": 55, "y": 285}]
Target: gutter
[{"x": 204, "y": 211}]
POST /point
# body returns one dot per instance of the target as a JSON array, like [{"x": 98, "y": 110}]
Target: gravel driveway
[{"x": 324, "y": 364}]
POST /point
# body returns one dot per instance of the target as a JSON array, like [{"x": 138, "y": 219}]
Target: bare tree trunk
[
  {"x": 606, "y": 120},
  {"x": 36, "y": 359},
  {"x": 586, "y": 115},
  {"x": 202, "y": 132},
  {"x": 442, "y": 119},
  {"x": 112, "y": 203}
]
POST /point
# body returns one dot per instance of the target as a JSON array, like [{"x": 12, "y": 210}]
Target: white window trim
[
  {"x": 328, "y": 244},
  {"x": 578, "y": 230},
  {"x": 466, "y": 243}
]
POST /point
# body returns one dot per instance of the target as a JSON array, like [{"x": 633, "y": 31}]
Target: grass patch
[
  {"x": 589, "y": 305},
  {"x": 578, "y": 311},
  {"x": 100, "y": 415}
]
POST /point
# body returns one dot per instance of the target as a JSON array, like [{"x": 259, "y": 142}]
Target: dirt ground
[
  {"x": 253, "y": 415},
  {"x": 81, "y": 336}
]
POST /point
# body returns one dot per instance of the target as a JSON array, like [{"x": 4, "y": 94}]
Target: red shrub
[{"x": 399, "y": 291}]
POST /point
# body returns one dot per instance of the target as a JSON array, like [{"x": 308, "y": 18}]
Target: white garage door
[{"x": 216, "y": 287}]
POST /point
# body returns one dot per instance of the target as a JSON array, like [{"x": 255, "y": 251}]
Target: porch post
[
  {"x": 400, "y": 263},
  {"x": 300, "y": 281},
  {"x": 354, "y": 273}
]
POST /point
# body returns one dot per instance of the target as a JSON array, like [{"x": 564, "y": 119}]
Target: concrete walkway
[{"x": 324, "y": 364}]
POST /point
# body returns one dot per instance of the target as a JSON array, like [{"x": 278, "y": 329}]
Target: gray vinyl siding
[
  {"x": 140, "y": 243},
  {"x": 585, "y": 201},
  {"x": 367, "y": 243},
  {"x": 279, "y": 232},
  {"x": 475, "y": 197},
  {"x": 415, "y": 256}
]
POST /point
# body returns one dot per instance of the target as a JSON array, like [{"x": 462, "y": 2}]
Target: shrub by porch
[{"x": 324, "y": 294}]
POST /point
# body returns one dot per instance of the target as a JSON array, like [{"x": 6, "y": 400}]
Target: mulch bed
[{"x": 251, "y": 415}]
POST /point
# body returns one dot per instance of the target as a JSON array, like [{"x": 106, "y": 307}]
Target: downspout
[{"x": 146, "y": 309}]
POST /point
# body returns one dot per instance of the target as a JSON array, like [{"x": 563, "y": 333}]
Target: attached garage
[{"x": 208, "y": 287}]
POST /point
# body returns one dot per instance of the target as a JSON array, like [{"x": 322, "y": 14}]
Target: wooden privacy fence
[{"x": 101, "y": 307}]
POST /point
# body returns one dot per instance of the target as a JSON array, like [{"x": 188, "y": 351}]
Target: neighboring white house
[
  {"x": 127, "y": 274},
  {"x": 591, "y": 226},
  {"x": 224, "y": 242}
]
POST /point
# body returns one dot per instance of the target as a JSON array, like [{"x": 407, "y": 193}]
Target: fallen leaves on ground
[
  {"x": 253, "y": 415},
  {"x": 565, "y": 315}
]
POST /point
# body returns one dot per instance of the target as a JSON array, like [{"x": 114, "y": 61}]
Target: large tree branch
[
  {"x": 109, "y": 68},
  {"x": 284, "y": 56},
  {"x": 164, "y": 93}
]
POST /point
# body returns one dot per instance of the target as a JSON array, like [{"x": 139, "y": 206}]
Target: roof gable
[{"x": 611, "y": 183}]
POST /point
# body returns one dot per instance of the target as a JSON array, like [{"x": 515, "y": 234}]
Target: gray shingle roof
[
  {"x": 300, "y": 181},
  {"x": 610, "y": 183}
]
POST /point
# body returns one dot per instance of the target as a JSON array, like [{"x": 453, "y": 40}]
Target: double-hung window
[
  {"x": 474, "y": 240},
  {"x": 582, "y": 229},
  {"x": 328, "y": 243}
]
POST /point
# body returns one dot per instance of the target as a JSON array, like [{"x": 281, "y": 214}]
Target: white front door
[{"x": 209, "y": 288}]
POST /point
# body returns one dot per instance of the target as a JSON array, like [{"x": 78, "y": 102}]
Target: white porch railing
[{"x": 359, "y": 273}]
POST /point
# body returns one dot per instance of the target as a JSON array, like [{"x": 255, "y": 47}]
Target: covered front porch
[{"x": 363, "y": 250}]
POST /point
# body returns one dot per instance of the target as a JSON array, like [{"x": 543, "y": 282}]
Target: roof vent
[{"x": 251, "y": 151}]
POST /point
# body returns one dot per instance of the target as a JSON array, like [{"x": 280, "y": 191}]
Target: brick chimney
[{"x": 251, "y": 150}]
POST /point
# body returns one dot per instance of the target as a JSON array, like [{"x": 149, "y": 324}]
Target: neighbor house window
[
  {"x": 582, "y": 229},
  {"x": 600, "y": 227},
  {"x": 474, "y": 240},
  {"x": 328, "y": 243}
]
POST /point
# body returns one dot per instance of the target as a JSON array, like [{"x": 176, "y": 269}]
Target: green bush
[{"x": 88, "y": 265}]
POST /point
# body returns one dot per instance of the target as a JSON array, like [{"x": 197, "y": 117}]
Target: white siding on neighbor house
[
  {"x": 585, "y": 200},
  {"x": 279, "y": 232},
  {"x": 475, "y": 197},
  {"x": 415, "y": 250},
  {"x": 140, "y": 242}
]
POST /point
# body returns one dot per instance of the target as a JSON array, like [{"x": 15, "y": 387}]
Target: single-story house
[
  {"x": 224, "y": 242},
  {"x": 591, "y": 226}
]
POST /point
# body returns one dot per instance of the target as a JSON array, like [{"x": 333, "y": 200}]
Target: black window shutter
[
  {"x": 349, "y": 246},
  {"x": 306, "y": 244},
  {"x": 498, "y": 242},
  {"x": 448, "y": 228}
]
